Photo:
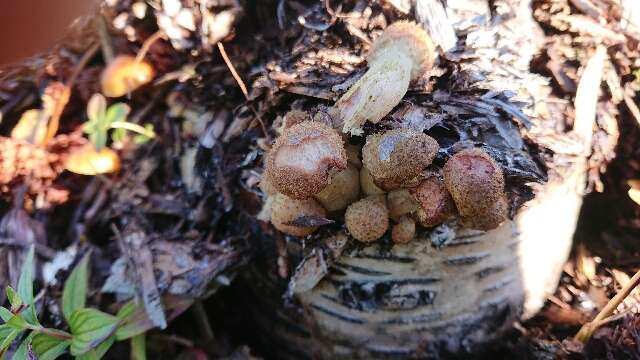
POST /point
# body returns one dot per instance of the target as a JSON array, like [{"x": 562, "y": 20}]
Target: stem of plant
[
  {"x": 133, "y": 128},
  {"x": 146, "y": 45},
  {"x": 58, "y": 334},
  {"x": 587, "y": 330}
]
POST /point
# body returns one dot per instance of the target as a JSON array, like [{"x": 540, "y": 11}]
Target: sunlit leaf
[
  {"x": 5, "y": 314},
  {"x": 96, "y": 107},
  {"x": 17, "y": 322},
  {"x": 117, "y": 112},
  {"x": 74, "y": 294},
  {"x": 14, "y": 298},
  {"x": 89, "y": 328}
]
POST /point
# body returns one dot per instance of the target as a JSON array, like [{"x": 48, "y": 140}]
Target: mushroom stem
[{"x": 376, "y": 93}]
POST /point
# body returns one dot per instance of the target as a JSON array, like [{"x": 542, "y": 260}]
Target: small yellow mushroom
[
  {"x": 89, "y": 161},
  {"x": 124, "y": 74}
]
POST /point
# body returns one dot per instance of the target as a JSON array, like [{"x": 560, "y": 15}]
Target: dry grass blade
[{"x": 584, "y": 334}]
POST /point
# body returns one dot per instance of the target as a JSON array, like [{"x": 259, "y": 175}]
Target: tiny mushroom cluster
[{"x": 314, "y": 170}]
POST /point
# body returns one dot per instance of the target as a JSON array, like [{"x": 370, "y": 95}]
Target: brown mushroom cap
[
  {"x": 303, "y": 159},
  {"x": 491, "y": 218},
  {"x": 400, "y": 202},
  {"x": 397, "y": 156},
  {"x": 368, "y": 219},
  {"x": 343, "y": 190},
  {"x": 475, "y": 181},
  {"x": 125, "y": 74},
  {"x": 404, "y": 231},
  {"x": 436, "y": 204},
  {"x": 366, "y": 183},
  {"x": 409, "y": 38},
  {"x": 284, "y": 210}
]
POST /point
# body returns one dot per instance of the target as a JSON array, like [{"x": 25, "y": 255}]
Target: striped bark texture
[{"x": 428, "y": 298}]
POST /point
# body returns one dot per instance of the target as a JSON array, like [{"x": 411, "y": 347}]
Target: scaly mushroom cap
[
  {"x": 404, "y": 231},
  {"x": 368, "y": 219},
  {"x": 125, "y": 74},
  {"x": 489, "y": 219},
  {"x": 406, "y": 37},
  {"x": 398, "y": 156},
  {"x": 284, "y": 210},
  {"x": 436, "y": 204},
  {"x": 475, "y": 181},
  {"x": 303, "y": 159}
]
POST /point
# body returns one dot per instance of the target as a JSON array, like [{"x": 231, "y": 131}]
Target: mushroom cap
[
  {"x": 366, "y": 183},
  {"x": 400, "y": 202},
  {"x": 404, "y": 231},
  {"x": 436, "y": 204},
  {"x": 125, "y": 74},
  {"x": 89, "y": 161},
  {"x": 302, "y": 160},
  {"x": 409, "y": 38},
  {"x": 284, "y": 210},
  {"x": 343, "y": 189},
  {"x": 491, "y": 218},
  {"x": 475, "y": 181},
  {"x": 368, "y": 219},
  {"x": 397, "y": 156}
]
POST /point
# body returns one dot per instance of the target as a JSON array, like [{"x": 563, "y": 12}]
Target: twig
[
  {"x": 61, "y": 102},
  {"x": 234, "y": 73},
  {"x": 202, "y": 320},
  {"x": 105, "y": 39},
  {"x": 243, "y": 87},
  {"x": 146, "y": 45},
  {"x": 587, "y": 329}
]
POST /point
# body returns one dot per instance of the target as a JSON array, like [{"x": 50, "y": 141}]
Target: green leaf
[
  {"x": 7, "y": 338},
  {"x": 48, "y": 347},
  {"x": 90, "y": 327},
  {"x": 133, "y": 321},
  {"x": 118, "y": 135},
  {"x": 17, "y": 322},
  {"x": 139, "y": 347},
  {"x": 14, "y": 298},
  {"x": 96, "y": 107},
  {"x": 116, "y": 112},
  {"x": 74, "y": 295},
  {"x": 25, "y": 287},
  {"x": 5, "y": 314},
  {"x": 99, "y": 352},
  {"x": 23, "y": 350}
]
